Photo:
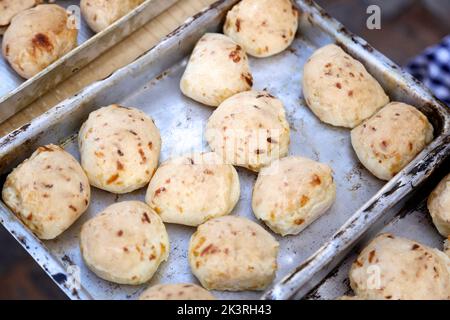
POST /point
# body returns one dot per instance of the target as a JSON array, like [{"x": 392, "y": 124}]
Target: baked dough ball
[
  {"x": 262, "y": 27},
  {"x": 183, "y": 291},
  {"x": 399, "y": 269},
  {"x": 48, "y": 192},
  {"x": 119, "y": 148},
  {"x": 249, "y": 130},
  {"x": 439, "y": 206},
  {"x": 218, "y": 68},
  {"x": 193, "y": 189},
  {"x": 234, "y": 254},
  {"x": 125, "y": 243},
  {"x": 293, "y": 192},
  {"x": 9, "y": 8},
  {"x": 37, "y": 37},
  {"x": 100, "y": 14},
  {"x": 339, "y": 90},
  {"x": 391, "y": 139}
]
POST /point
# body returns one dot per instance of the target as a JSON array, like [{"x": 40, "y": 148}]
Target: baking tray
[
  {"x": 16, "y": 93},
  {"x": 152, "y": 84}
]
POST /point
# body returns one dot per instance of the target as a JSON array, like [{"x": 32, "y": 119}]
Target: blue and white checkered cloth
[{"x": 433, "y": 69}]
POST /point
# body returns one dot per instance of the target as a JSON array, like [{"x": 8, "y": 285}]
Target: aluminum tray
[
  {"x": 152, "y": 84},
  {"x": 16, "y": 93}
]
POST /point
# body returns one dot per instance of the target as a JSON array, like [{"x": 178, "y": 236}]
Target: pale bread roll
[
  {"x": 393, "y": 268},
  {"x": 100, "y": 14},
  {"x": 37, "y": 37},
  {"x": 439, "y": 206},
  {"x": 125, "y": 243},
  {"x": 262, "y": 27},
  {"x": 391, "y": 139},
  {"x": 217, "y": 69},
  {"x": 339, "y": 90},
  {"x": 48, "y": 192},
  {"x": 353, "y": 298},
  {"x": 293, "y": 192},
  {"x": 119, "y": 148},
  {"x": 249, "y": 130},
  {"x": 192, "y": 189},
  {"x": 182, "y": 291},
  {"x": 234, "y": 254}
]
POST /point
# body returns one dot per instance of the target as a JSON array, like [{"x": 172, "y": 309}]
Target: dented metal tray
[
  {"x": 151, "y": 83},
  {"x": 16, "y": 93}
]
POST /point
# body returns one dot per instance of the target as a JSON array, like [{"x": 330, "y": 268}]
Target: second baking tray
[
  {"x": 16, "y": 93},
  {"x": 152, "y": 84}
]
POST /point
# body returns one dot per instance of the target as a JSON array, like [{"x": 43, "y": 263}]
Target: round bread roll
[
  {"x": 218, "y": 68},
  {"x": 439, "y": 206},
  {"x": 183, "y": 291},
  {"x": 262, "y": 27},
  {"x": 393, "y": 268},
  {"x": 391, "y": 139},
  {"x": 234, "y": 254},
  {"x": 48, "y": 192},
  {"x": 339, "y": 90},
  {"x": 193, "y": 189},
  {"x": 37, "y": 37},
  {"x": 119, "y": 148},
  {"x": 293, "y": 192},
  {"x": 249, "y": 130},
  {"x": 10, "y": 8},
  {"x": 125, "y": 243},
  {"x": 100, "y": 14}
]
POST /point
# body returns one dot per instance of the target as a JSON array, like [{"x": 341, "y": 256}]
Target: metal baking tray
[
  {"x": 151, "y": 83},
  {"x": 16, "y": 93}
]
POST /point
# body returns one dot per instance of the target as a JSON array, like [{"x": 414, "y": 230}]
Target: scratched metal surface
[
  {"x": 16, "y": 92},
  {"x": 152, "y": 84}
]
